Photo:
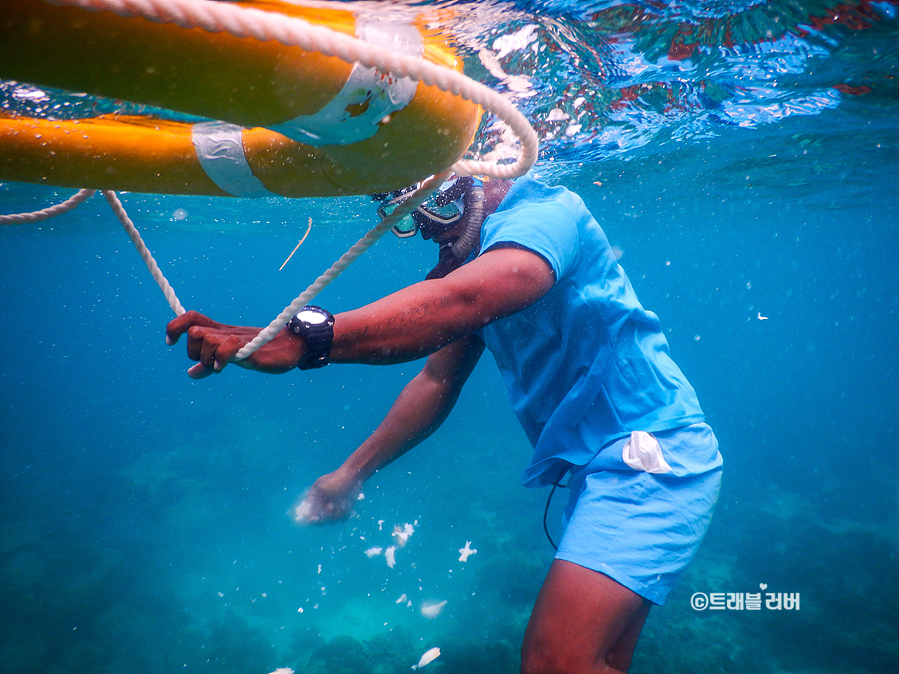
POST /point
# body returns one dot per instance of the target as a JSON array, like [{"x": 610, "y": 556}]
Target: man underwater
[{"x": 526, "y": 272}]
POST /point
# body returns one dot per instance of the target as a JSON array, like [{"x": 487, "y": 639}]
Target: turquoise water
[{"x": 144, "y": 516}]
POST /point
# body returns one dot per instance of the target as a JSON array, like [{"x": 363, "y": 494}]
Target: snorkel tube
[
  {"x": 474, "y": 211},
  {"x": 453, "y": 255}
]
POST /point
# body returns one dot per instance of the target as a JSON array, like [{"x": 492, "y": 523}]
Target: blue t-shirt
[{"x": 586, "y": 364}]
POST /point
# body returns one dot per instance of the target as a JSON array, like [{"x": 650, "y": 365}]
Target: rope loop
[{"x": 246, "y": 22}]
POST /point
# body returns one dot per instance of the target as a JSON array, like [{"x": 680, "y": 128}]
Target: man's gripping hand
[{"x": 213, "y": 345}]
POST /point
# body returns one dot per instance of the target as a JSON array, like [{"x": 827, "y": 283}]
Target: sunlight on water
[{"x": 624, "y": 75}]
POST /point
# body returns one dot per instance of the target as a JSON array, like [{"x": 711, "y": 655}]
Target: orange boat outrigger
[{"x": 282, "y": 121}]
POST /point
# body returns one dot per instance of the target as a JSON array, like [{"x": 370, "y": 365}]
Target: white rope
[
  {"x": 268, "y": 333},
  {"x": 119, "y": 210},
  {"x": 244, "y": 22},
  {"x": 138, "y": 242},
  {"x": 218, "y": 17},
  {"x": 362, "y": 245},
  {"x": 53, "y": 211}
]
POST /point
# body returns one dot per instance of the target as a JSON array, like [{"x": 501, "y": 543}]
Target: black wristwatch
[{"x": 316, "y": 327}]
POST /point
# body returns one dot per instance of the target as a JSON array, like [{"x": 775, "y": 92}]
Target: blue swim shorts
[{"x": 639, "y": 510}]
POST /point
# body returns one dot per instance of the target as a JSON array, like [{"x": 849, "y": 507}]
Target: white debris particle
[
  {"x": 466, "y": 552},
  {"x": 432, "y": 609},
  {"x": 401, "y": 535},
  {"x": 429, "y": 656}
]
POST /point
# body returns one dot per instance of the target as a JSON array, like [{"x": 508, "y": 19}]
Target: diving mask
[{"x": 439, "y": 212}]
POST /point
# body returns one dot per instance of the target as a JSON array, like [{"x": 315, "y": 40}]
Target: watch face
[{"x": 313, "y": 317}]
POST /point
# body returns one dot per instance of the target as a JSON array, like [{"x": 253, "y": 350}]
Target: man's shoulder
[
  {"x": 534, "y": 203},
  {"x": 529, "y": 188},
  {"x": 535, "y": 217},
  {"x": 530, "y": 196}
]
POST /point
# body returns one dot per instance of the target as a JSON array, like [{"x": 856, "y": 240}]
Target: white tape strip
[
  {"x": 367, "y": 96},
  {"x": 219, "y": 148}
]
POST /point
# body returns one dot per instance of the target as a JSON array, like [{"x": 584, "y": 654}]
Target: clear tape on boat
[{"x": 220, "y": 151}]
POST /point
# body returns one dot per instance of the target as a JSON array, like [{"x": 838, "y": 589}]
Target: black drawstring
[{"x": 546, "y": 513}]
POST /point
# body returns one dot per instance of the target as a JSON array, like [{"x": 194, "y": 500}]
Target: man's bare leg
[{"x": 583, "y": 623}]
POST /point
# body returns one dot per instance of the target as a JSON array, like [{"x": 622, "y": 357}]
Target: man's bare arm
[
  {"x": 406, "y": 325},
  {"x": 419, "y": 410}
]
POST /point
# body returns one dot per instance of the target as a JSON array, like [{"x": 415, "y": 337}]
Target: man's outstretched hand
[
  {"x": 213, "y": 345},
  {"x": 330, "y": 499}
]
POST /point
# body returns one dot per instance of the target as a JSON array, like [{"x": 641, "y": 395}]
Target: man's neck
[{"x": 494, "y": 192}]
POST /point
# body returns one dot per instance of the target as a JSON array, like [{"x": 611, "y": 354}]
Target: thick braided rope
[
  {"x": 216, "y": 17},
  {"x": 46, "y": 213},
  {"x": 138, "y": 242},
  {"x": 362, "y": 245}
]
